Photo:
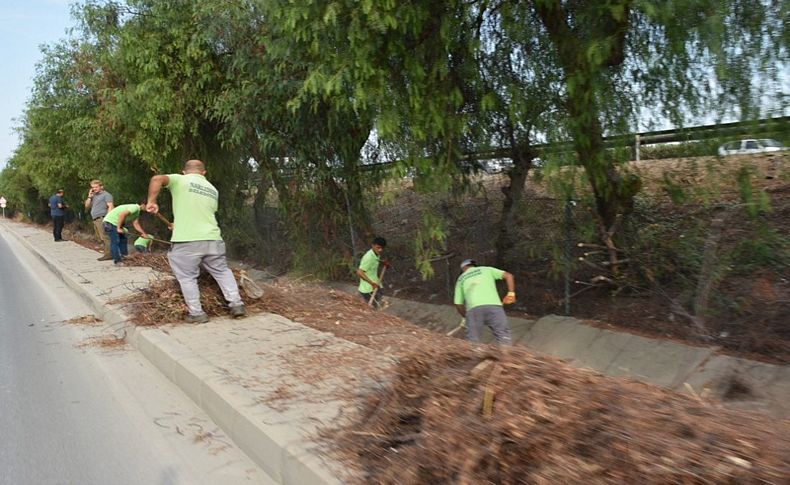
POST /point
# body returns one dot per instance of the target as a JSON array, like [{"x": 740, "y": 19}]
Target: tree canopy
[{"x": 282, "y": 97}]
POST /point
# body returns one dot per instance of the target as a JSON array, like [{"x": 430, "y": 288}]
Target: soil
[
  {"x": 748, "y": 311},
  {"x": 454, "y": 412}
]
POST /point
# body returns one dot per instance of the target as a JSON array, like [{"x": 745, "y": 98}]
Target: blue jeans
[{"x": 118, "y": 244}]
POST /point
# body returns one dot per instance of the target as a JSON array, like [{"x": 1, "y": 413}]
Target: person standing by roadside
[
  {"x": 100, "y": 202},
  {"x": 477, "y": 300},
  {"x": 368, "y": 271},
  {"x": 57, "y": 209},
  {"x": 197, "y": 239},
  {"x": 114, "y": 226}
]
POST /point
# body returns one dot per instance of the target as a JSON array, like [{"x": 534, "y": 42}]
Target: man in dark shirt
[{"x": 57, "y": 209}]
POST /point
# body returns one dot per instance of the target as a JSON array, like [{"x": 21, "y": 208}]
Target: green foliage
[
  {"x": 756, "y": 202},
  {"x": 664, "y": 247},
  {"x": 677, "y": 193},
  {"x": 766, "y": 248},
  {"x": 19, "y": 192},
  {"x": 679, "y": 150},
  {"x": 430, "y": 242},
  {"x": 290, "y": 93}
]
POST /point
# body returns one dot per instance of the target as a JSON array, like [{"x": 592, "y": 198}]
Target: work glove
[
  {"x": 510, "y": 298},
  {"x": 463, "y": 323},
  {"x": 386, "y": 263}
]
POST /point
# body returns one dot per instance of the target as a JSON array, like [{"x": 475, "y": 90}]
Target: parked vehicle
[{"x": 751, "y": 145}]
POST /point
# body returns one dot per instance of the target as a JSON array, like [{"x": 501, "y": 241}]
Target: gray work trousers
[
  {"x": 492, "y": 315},
  {"x": 186, "y": 259}
]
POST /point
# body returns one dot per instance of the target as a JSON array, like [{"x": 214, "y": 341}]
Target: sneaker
[
  {"x": 238, "y": 311},
  {"x": 106, "y": 257},
  {"x": 202, "y": 318}
]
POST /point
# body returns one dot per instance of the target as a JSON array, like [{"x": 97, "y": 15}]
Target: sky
[{"x": 24, "y": 26}]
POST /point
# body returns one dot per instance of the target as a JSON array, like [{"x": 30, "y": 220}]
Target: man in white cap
[{"x": 477, "y": 300}]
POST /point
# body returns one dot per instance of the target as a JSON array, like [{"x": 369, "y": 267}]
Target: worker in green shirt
[
  {"x": 142, "y": 244},
  {"x": 368, "y": 271},
  {"x": 197, "y": 240},
  {"x": 477, "y": 300},
  {"x": 114, "y": 226}
]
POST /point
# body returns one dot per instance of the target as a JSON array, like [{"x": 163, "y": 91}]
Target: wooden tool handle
[
  {"x": 376, "y": 290},
  {"x": 163, "y": 218}
]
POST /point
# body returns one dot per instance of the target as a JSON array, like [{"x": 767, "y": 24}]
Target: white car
[{"x": 751, "y": 145}]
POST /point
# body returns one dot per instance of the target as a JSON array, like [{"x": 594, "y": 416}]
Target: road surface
[{"x": 72, "y": 412}]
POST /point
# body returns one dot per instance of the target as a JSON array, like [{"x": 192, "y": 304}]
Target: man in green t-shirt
[
  {"x": 368, "y": 271},
  {"x": 197, "y": 241},
  {"x": 114, "y": 226},
  {"x": 477, "y": 300},
  {"x": 141, "y": 244}
]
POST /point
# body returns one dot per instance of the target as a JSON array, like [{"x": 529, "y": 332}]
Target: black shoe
[{"x": 238, "y": 311}]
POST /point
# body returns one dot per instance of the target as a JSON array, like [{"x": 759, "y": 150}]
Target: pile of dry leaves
[
  {"x": 466, "y": 415},
  {"x": 342, "y": 314},
  {"x": 456, "y": 413}
]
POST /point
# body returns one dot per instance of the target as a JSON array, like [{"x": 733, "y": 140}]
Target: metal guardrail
[{"x": 636, "y": 140}]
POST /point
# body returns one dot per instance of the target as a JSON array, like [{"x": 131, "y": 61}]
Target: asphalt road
[{"x": 75, "y": 413}]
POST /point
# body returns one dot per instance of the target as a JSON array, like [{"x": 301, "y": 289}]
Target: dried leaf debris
[
  {"x": 448, "y": 417},
  {"x": 454, "y": 412}
]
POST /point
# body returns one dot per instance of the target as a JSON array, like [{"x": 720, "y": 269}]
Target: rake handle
[{"x": 376, "y": 290}]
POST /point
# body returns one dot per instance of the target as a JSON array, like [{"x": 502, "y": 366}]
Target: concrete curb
[
  {"x": 115, "y": 321},
  {"x": 283, "y": 458}
]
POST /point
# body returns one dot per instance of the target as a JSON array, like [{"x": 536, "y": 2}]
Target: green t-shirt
[
  {"x": 142, "y": 241},
  {"x": 477, "y": 286},
  {"x": 114, "y": 215},
  {"x": 370, "y": 265},
  {"x": 194, "y": 205}
]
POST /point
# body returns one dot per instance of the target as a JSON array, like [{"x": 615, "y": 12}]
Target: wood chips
[
  {"x": 454, "y": 412},
  {"x": 449, "y": 418}
]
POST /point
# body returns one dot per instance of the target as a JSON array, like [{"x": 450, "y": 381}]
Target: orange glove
[{"x": 510, "y": 298}]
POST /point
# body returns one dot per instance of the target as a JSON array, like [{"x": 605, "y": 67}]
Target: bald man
[{"x": 197, "y": 241}]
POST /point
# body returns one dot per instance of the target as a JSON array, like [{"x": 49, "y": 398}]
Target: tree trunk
[
  {"x": 522, "y": 157},
  {"x": 613, "y": 194}
]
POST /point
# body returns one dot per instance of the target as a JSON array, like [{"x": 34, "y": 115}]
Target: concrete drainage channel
[{"x": 738, "y": 383}]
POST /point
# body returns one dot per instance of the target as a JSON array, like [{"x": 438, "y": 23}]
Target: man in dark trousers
[
  {"x": 57, "y": 209},
  {"x": 197, "y": 241},
  {"x": 115, "y": 223},
  {"x": 477, "y": 300}
]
